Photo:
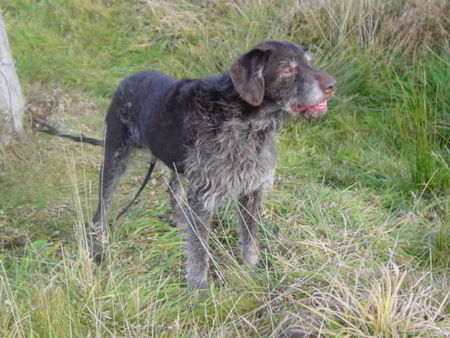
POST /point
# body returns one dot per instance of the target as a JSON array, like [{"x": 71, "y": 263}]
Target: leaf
[{"x": 39, "y": 245}]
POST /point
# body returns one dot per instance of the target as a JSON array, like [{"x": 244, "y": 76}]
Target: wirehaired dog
[{"x": 218, "y": 133}]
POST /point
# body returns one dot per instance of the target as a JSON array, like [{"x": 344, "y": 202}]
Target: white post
[{"x": 11, "y": 99}]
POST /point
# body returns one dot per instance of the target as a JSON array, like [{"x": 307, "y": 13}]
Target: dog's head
[{"x": 282, "y": 75}]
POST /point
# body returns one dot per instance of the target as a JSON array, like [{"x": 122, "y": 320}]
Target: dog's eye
[{"x": 288, "y": 71}]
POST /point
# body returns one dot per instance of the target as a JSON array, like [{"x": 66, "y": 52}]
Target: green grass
[{"x": 356, "y": 230}]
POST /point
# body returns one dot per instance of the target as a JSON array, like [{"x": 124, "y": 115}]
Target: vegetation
[{"x": 356, "y": 231}]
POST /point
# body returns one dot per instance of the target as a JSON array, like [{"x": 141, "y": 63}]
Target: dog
[{"x": 217, "y": 133}]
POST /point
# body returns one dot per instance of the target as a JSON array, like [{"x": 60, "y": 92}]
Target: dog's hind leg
[
  {"x": 118, "y": 144},
  {"x": 249, "y": 210}
]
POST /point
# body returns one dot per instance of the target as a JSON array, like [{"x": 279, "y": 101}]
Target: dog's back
[{"x": 140, "y": 103}]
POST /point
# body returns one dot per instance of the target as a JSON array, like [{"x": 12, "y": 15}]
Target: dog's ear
[{"x": 247, "y": 75}]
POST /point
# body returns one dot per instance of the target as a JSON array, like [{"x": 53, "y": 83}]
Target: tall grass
[
  {"x": 355, "y": 232},
  {"x": 416, "y": 123}
]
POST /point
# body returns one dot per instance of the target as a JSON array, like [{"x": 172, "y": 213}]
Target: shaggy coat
[{"x": 217, "y": 134}]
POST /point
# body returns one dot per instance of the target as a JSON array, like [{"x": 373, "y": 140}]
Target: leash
[
  {"x": 46, "y": 128},
  {"x": 143, "y": 184}
]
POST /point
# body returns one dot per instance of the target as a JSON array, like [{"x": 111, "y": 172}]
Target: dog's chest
[{"x": 237, "y": 160}]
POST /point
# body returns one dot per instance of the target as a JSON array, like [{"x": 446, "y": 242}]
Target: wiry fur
[
  {"x": 217, "y": 134},
  {"x": 235, "y": 161}
]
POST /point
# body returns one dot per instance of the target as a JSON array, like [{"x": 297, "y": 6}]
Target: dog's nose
[{"x": 327, "y": 84}]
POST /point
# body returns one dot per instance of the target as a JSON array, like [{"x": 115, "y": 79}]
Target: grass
[{"x": 356, "y": 231}]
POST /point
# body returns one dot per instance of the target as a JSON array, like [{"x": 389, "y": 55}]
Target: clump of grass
[
  {"x": 384, "y": 301},
  {"x": 416, "y": 122},
  {"x": 399, "y": 27}
]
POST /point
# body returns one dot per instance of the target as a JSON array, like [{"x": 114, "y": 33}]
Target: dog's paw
[
  {"x": 97, "y": 253},
  {"x": 296, "y": 332},
  {"x": 251, "y": 256},
  {"x": 197, "y": 283},
  {"x": 179, "y": 224},
  {"x": 97, "y": 257}
]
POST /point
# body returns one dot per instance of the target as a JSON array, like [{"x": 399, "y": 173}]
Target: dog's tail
[{"x": 144, "y": 183}]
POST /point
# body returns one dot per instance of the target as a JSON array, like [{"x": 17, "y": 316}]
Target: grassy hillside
[{"x": 356, "y": 230}]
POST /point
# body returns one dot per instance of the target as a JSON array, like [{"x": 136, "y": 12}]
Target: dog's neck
[{"x": 217, "y": 94}]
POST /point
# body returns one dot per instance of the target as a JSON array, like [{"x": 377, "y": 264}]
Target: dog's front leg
[
  {"x": 177, "y": 199},
  {"x": 249, "y": 208},
  {"x": 197, "y": 236}
]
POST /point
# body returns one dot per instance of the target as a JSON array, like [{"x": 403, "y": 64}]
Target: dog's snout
[{"x": 327, "y": 84}]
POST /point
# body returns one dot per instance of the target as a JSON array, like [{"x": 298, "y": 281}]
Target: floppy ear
[{"x": 246, "y": 74}]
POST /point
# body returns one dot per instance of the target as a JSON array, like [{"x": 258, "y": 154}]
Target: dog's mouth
[{"x": 320, "y": 107}]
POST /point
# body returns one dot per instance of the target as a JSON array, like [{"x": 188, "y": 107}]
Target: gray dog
[{"x": 217, "y": 133}]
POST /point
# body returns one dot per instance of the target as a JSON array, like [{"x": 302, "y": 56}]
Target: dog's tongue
[{"x": 321, "y": 106}]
